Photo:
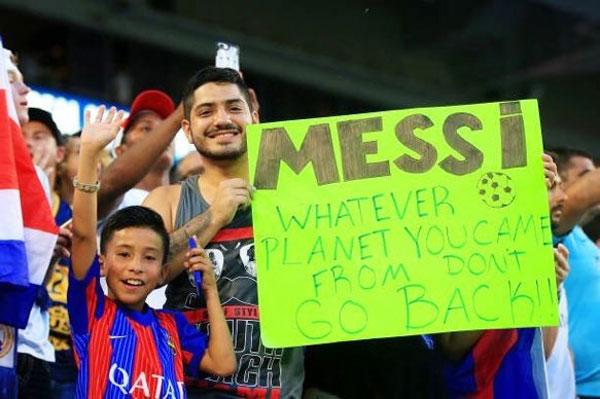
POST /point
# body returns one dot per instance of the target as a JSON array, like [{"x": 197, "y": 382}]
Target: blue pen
[{"x": 197, "y": 274}]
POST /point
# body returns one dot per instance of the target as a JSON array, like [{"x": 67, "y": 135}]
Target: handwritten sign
[{"x": 401, "y": 223}]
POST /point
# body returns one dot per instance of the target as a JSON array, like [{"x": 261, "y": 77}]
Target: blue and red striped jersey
[
  {"x": 123, "y": 353},
  {"x": 503, "y": 364}
]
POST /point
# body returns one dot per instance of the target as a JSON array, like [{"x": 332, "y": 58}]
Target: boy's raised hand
[
  {"x": 99, "y": 131},
  {"x": 197, "y": 260}
]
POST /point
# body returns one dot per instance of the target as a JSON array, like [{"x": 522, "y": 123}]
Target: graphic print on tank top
[
  {"x": 232, "y": 254},
  {"x": 262, "y": 372}
]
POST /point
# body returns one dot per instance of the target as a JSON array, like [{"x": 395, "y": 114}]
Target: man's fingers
[{"x": 563, "y": 250}]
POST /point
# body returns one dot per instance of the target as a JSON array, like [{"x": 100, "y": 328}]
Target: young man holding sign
[{"x": 215, "y": 207}]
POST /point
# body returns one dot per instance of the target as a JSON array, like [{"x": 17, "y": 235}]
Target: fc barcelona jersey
[
  {"x": 123, "y": 353},
  {"x": 503, "y": 364}
]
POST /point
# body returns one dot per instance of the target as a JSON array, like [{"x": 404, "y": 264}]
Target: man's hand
[
  {"x": 550, "y": 171},
  {"x": 561, "y": 263},
  {"x": 230, "y": 196}
]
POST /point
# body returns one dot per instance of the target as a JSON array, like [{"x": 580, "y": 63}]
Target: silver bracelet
[{"x": 86, "y": 188}]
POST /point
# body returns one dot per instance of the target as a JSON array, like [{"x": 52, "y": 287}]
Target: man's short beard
[{"x": 222, "y": 156}]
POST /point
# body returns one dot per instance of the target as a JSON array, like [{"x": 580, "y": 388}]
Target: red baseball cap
[{"x": 150, "y": 100}]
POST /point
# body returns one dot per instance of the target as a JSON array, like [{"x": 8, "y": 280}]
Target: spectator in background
[
  {"x": 45, "y": 144},
  {"x": 508, "y": 363},
  {"x": 67, "y": 169},
  {"x": 559, "y": 362},
  {"x": 34, "y": 349},
  {"x": 582, "y": 185},
  {"x": 189, "y": 165},
  {"x": 148, "y": 109}
]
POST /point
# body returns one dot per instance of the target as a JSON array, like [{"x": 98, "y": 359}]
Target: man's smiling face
[{"x": 217, "y": 122}]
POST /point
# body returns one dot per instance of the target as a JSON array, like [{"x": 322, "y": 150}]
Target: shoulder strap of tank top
[{"x": 191, "y": 202}]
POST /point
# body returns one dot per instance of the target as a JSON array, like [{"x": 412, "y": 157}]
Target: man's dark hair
[
  {"x": 135, "y": 216},
  {"x": 562, "y": 156},
  {"x": 212, "y": 74}
]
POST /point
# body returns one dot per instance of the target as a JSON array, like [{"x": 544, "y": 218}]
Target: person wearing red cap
[{"x": 148, "y": 109}]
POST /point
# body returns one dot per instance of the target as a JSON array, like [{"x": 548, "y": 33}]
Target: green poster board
[{"x": 401, "y": 223}]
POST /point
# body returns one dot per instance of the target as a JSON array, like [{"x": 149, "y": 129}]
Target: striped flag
[{"x": 27, "y": 230}]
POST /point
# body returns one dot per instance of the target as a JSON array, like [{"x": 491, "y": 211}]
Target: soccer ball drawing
[{"x": 496, "y": 189}]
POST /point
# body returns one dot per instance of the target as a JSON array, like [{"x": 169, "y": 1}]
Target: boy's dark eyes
[
  {"x": 148, "y": 257},
  {"x": 123, "y": 254}
]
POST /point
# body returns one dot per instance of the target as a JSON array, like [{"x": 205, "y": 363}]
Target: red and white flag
[{"x": 27, "y": 229}]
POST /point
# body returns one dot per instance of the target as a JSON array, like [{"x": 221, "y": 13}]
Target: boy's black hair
[
  {"x": 135, "y": 216},
  {"x": 214, "y": 75}
]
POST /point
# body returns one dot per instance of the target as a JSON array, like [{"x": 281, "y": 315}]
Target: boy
[{"x": 123, "y": 347}]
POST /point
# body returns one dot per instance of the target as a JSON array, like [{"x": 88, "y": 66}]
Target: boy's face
[{"x": 132, "y": 265}]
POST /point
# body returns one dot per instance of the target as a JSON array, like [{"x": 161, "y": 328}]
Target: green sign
[{"x": 401, "y": 223}]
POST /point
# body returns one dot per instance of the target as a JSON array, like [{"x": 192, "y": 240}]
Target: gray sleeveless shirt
[{"x": 262, "y": 372}]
